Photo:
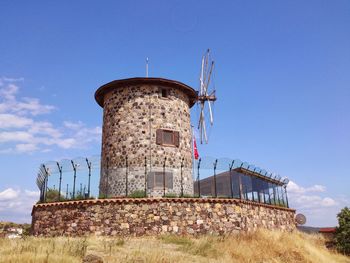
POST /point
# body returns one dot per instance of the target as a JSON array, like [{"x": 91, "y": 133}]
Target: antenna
[
  {"x": 147, "y": 67},
  {"x": 206, "y": 95}
]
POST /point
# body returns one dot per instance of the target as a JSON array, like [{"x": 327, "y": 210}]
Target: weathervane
[{"x": 147, "y": 67}]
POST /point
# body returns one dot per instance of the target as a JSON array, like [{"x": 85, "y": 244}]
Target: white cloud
[
  {"x": 9, "y": 92},
  {"x": 73, "y": 125},
  {"x": 22, "y": 106},
  {"x": 315, "y": 204},
  {"x": 33, "y": 106},
  {"x": 312, "y": 201},
  {"x": 35, "y": 194},
  {"x": 13, "y": 121},
  {"x": 328, "y": 202},
  {"x": 294, "y": 188},
  {"x": 23, "y": 132},
  {"x": 12, "y": 79},
  {"x": 15, "y": 136},
  {"x": 45, "y": 128},
  {"x": 16, "y": 205},
  {"x": 26, "y": 147},
  {"x": 8, "y": 194}
]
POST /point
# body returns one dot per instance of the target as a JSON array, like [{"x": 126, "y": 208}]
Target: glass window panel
[
  {"x": 277, "y": 199},
  {"x": 236, "y": 184},
  {"x": 247, "y": 187},
  {"x": 283, "y": 203},
  {"x": 206, "y": 186},
  {"x": 271, "y": 194},
  {"x": 223, "y": 184},
  {"x": 158, "y": 179},
  {"x": 168, "y": 137},
  {"x": 169, "y": 180},
  {"x": 255, "y": 189},
  {"x": 267, "y": 192},
  {"x": 279, "y": 195},
  {"x": 155, "y": 180}
]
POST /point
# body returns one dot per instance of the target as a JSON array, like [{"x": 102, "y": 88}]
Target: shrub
[
  {"x": 189, "y": 196},
  {"x": 342, "y": 236},
  {"x": 170, "y": 195},
  {"x": 52, "y": 195},
  {"x": 138, "y": 194}
]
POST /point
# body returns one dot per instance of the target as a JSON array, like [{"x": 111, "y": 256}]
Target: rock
[
  {"x": 199, "y": 222},
  {"x": 92, "y": 259},
  {"x": 124, "y": 225}
]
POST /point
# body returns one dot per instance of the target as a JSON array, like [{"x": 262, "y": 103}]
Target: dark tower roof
[{"x": 122, "y": 83}]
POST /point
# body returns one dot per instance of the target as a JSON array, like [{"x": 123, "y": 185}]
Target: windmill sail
[{"x": 206, "y": 96}]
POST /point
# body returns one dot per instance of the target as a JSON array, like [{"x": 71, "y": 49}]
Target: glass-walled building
[{"x": 243, "y": 184}]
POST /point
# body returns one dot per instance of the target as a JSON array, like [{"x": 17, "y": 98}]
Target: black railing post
[
  {"x": 75, "y": 177},
  {"x": 67, "y": 192},
  {"x": 231, "y": 186},
  {"x": 60, "y": 185},
  {"x": 182, "y": 186},
  {"x": 164, "y": 176},
  {"x": 42, "y": 190},
  {"x": 41, "y": 193},
  {"x": 46, "y": 187},
  {"x": 46, "y": 181},
  {"x": 89, "y": 167},
  {"x": 126, "y": 176},
  {"x": 198, "y": 179},
  {"x": 145, "y": 176},
  {"x": 215, "y": 190}
]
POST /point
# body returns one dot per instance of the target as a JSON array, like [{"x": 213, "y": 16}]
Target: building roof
[
  {"x": 256, "y": 174},
  {"x": 121, "y": 83},
  {"x": 327, "y": 230}
]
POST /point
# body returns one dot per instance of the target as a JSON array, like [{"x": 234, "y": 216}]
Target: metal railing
[{"x": 79, "y": 178}]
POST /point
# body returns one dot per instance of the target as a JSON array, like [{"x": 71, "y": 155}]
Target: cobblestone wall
[
  {"x": 136, "y": 217},
  {"x": 131, "y": 117}
]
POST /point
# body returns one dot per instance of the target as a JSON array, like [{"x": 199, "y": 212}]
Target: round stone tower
[{"x": 146, "y": 137}]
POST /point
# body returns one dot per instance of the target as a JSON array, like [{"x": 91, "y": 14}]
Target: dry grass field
[{"x": 262, "y": 246}]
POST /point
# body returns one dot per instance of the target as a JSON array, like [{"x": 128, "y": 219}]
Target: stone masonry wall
[
  {"x": 131, "y": 116},
  {"x": 136, "y": 217}
]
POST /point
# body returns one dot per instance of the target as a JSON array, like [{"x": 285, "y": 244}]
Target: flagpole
[{"x": 192, "y": 152}]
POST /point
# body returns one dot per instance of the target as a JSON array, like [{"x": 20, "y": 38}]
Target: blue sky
[{"x": 282, "y": 79}]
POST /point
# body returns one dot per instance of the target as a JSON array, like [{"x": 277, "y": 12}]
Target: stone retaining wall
[{"x": 136, "y": 217}]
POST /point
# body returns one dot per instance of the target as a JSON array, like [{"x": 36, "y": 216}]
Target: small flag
[{"x": 195, "y": 150}]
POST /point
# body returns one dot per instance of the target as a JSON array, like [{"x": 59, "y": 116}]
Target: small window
[
  {"x": 155, "y": 180},
  {"x": 168, "y": 138},
  {"x": 164, "y": 92}
]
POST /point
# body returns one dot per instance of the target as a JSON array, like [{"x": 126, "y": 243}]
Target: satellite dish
[
  {"x": 206, "y": 97},
  {"x": 300, "y": 219}
]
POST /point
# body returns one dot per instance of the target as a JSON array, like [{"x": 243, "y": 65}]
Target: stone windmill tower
[{"x": 146, "y": 139}]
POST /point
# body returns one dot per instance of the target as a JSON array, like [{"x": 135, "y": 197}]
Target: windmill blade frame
[{"x": 205, "y": 96}]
